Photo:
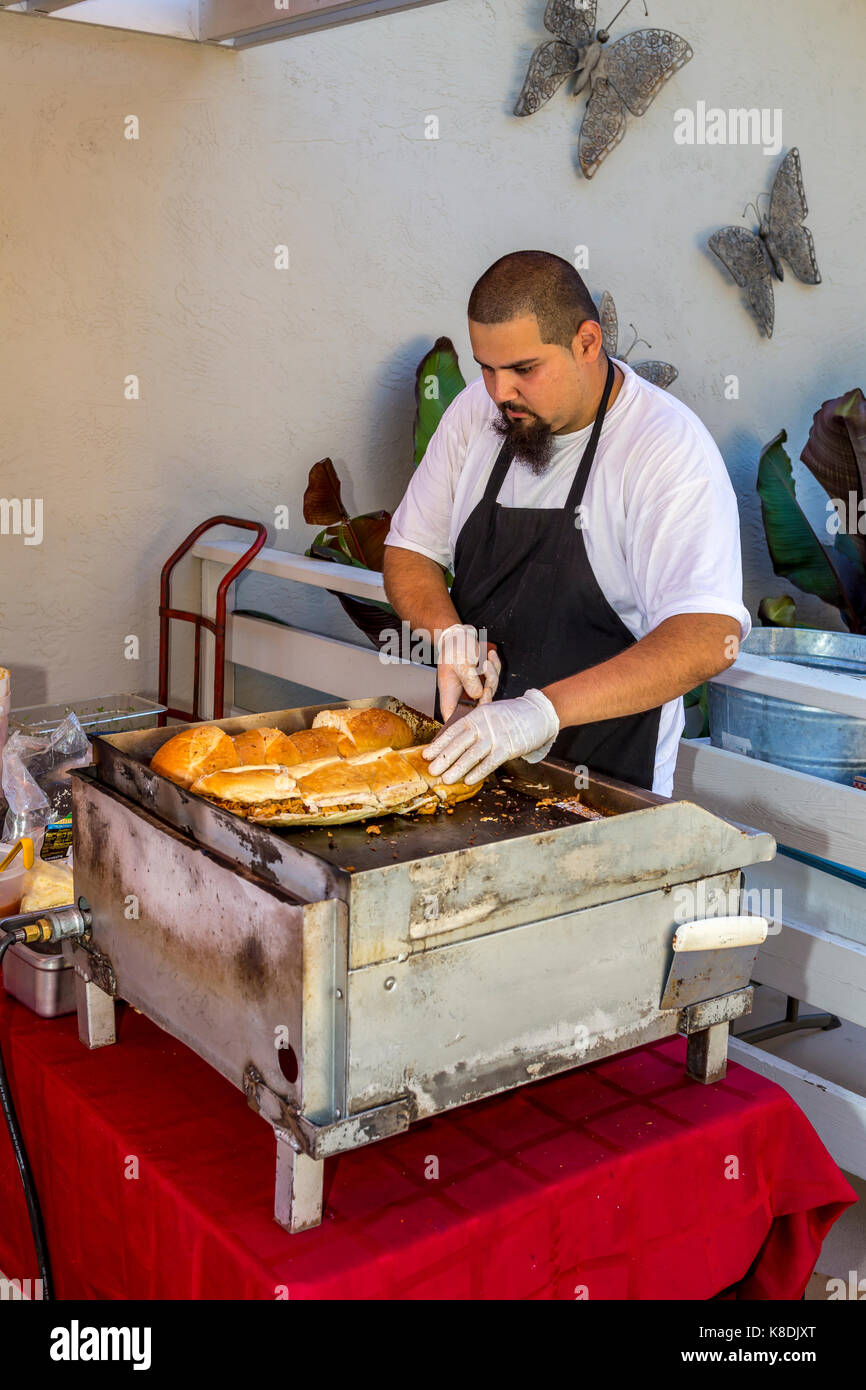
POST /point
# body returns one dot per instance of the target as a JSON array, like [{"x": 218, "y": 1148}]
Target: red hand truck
[{"x": 216, "y": 625}]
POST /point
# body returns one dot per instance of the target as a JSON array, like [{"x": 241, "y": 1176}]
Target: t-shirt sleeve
[
  {"x": 682, "y": 535},
  {"x": 422, "y": 521}
]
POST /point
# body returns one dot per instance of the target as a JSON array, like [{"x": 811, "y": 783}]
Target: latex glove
[
  {"x": 491, "y": 734},
  {"x": 465, "y": 663}
]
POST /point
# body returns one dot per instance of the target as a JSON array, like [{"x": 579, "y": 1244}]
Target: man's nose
[{"x": 504, "y": 390}]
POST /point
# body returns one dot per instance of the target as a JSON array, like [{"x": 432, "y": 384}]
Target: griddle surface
[{"x": 497, "y": 813}]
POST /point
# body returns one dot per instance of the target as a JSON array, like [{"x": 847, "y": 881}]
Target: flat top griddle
[
  {"x": 511, "y": 806},
  {"x": 498, "y": 812}
]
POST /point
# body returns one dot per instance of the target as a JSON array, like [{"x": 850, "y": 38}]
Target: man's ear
[{"x": 587, "y": 342}]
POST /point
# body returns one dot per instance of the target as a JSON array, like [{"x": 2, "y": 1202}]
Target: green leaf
[
  {"x": 780, "y": 611},
  {"x": 846, "y": 547},
  {"x": 699, "y": 696},
  {"x": 438, "y": 381},
  {"x": 795, "y": 550}
]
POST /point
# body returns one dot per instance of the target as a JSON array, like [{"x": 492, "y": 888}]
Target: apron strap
[
  {"x": 498, "y": 472},
  {"x": 581, "y": 477}
]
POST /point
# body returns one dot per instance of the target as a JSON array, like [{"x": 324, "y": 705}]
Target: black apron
[{"x": 523, "y": 574}]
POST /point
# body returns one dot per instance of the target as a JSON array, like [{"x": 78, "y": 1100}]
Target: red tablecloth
[{"x": 625, "y": 1180}]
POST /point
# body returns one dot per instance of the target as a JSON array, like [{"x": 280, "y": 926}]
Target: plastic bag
[
  {"x": 48, "y": 885},
  {"x": 36, "y": 784}
]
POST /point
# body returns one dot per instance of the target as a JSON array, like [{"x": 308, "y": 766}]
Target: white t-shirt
[{"x": 659, "y": 514}]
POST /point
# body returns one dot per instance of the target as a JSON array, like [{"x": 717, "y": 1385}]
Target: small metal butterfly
[
  {"x": 626, "y": 75},
  {"x": 659, "y": 373},
  {"x": 753, "y": 258}
]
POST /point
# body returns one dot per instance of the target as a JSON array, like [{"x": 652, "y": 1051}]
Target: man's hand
[
  {"x": 416, "y": 589},
  {"x": 491, "y": 734},
  {"x": 464, "y": 663}
]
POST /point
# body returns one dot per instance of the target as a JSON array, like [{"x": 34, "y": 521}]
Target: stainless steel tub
[{"x": 815, "y": 741}]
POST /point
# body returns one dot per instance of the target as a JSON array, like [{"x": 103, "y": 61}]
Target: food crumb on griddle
[{"x": 373, "y": 830}]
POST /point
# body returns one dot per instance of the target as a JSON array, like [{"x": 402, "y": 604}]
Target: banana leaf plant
[
  {"x": 699, "y": 697},
  {"x": 360, "y": 540},
  {"x": 836, "y": 455}
]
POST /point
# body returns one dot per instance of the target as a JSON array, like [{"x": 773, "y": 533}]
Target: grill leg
[
  {"x": 298, "y": 1189},
  {"x": 707, "y": 1053},
  {"x": 95, "y": 1013}
]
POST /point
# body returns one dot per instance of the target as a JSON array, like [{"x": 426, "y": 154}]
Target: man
[{"x": 592, "y": 531}]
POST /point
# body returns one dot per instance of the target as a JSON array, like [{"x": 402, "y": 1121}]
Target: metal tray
[{"x": 41, "y": 978}]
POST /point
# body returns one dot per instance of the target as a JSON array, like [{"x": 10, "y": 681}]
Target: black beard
[{"x": 531, "y": 441}]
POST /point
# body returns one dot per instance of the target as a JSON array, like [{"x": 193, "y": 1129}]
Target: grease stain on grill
[{"x": 250, "y": 964}]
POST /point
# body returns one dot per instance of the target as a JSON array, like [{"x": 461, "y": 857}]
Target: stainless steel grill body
[{"x": 353, "y": 983}]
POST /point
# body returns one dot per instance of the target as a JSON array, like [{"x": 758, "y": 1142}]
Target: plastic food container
[
  {"x": 11, "y": 883},
  {"x": 111, "y": 714}
]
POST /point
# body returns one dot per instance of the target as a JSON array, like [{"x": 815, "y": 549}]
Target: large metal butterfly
[
  {"x": 625, "y": 76},
  {"x": 659, "y": 373},
  {"x": 753, "y": 258}
]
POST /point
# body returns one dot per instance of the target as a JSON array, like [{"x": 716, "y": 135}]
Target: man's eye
[{"x": 522, "y": 370}]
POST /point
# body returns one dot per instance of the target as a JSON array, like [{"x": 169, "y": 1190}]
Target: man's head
[{"x": 536, "y": 336}]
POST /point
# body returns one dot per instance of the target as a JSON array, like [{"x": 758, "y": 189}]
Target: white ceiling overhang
[{"x": 229, "y": 23}]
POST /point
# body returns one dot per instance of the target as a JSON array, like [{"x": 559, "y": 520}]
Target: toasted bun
[
  {"x": 416, "y": 760},
  {"x": 336, "y": 784},
  {"x": 193, "y": 753},
  {"x": 310, "y": 744},
  {"x": 369, "y": 729},
  {"x": 448, "y": 792},
  {"x": 249, "y": 785},
  {"x": 393, "y": 780},
  {"x": 258, "y": 746}
]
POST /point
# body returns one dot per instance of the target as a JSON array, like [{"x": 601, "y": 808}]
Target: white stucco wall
[{"x": 155, "y": 257}]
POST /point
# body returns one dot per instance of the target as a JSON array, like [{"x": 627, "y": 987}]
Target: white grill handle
[{"x": 717, "y": 933}]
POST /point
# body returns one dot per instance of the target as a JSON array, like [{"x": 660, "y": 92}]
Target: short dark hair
[{"x": 534, "y": 282}]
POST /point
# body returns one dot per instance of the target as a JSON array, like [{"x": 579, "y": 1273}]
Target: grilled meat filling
[{"x": 291, "y": 804}]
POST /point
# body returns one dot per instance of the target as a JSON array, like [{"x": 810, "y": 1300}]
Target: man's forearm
[
  {"x": 416, "y": 589},
  {"x": 679, "y": 654}
]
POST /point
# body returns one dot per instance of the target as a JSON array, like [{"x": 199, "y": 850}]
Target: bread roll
[
  {"x": 449, "y": 793},
  {"x": 337, "y": 787},
  {"x": 269, "y": 789},
  {"x": 391, "y": 778},
  {"x": 193, "y": 753},
  {"x": 368, "y": 729},
  {"x": 258, "y": 746},
  {"x": 310, "y": 744}
]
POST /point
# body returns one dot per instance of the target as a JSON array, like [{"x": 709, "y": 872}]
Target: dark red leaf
[
  {"x": 835, "y": 452},
  {"x": 323, "y": 504},
  {"x": 370, "y": 531}
]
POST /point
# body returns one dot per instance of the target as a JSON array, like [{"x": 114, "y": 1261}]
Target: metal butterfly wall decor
[
  {"x": 625, "y": 76},
  {"x": 753, "y": 258},
  {"x": 659, "y": 373}
]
